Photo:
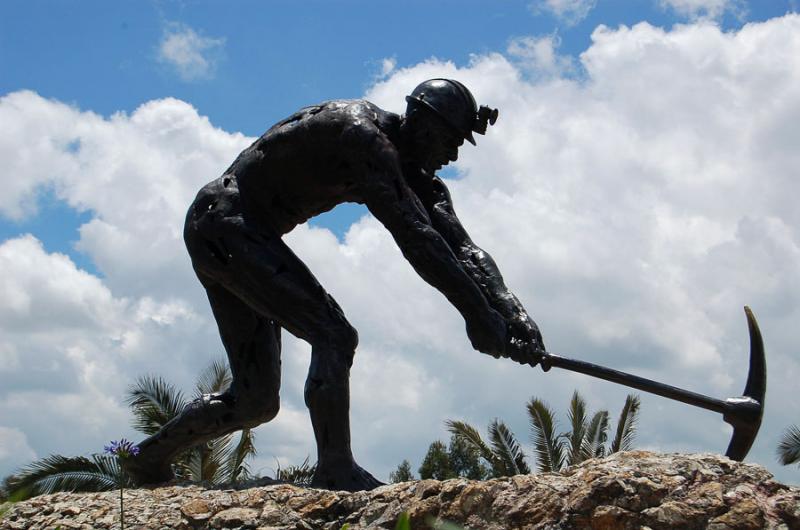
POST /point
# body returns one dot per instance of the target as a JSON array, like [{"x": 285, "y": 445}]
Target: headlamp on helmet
[
  {"x": 485, "y": 116},
  {"x": 453, "y": 102}
]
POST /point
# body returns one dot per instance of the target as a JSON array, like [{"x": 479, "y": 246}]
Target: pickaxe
[{"x": 743, "y": 412}]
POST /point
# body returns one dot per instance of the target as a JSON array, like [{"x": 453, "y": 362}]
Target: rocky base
[{"x": 628, "y": 490}]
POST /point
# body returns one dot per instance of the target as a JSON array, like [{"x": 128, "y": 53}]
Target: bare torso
[{"x": 312, "y": 161}]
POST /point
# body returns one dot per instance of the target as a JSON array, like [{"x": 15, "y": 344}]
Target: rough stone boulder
[{"x": 628, "y": 490}]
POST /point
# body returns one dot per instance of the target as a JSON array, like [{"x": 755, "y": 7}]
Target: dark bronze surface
[
  {"x": 353, "y": 151},
  {"x": 321, "y": 156}
]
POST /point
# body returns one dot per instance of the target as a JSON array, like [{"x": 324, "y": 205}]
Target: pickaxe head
[{"x": 744, "y": 413}]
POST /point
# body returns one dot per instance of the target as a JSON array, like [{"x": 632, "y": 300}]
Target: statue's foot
[
  {"x": 143, "y": 472},
  {"x": 343, "y": 475}
]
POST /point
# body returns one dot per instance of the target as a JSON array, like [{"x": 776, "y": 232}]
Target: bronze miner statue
[{"x": 323, "y": 155}]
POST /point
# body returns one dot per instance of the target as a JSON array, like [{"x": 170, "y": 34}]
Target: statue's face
[{"x": 435, "y": 144}]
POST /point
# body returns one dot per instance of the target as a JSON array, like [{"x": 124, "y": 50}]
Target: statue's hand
[
  {"x": 525, "y": 344},
  {"x": 488, "y": 333}
]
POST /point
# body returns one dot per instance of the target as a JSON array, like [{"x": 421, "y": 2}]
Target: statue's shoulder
[
  {"x": 362, "y": 113},
  {"x": 353, "y": 114}
]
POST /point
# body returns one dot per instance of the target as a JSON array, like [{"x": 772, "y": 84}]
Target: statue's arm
[
  {"x": 480, "y": 266},
  {"x": 389, "y": 198}
]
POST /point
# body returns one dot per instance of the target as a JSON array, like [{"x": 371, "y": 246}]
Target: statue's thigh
[
  {"x": 252, "y": 342},
  {"x": 264, "y": 273}
]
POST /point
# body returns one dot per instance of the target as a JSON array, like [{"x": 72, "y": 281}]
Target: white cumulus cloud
[
  {"x": 568, "y": 11},
  {"x": 704, "y": 9},
  {"x": 539, "y": 56},
  {"x": 636, "y": 211},
  {"x": 192, "y": 55}
]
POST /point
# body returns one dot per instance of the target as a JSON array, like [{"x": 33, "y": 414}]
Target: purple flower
[{"x": 122, "y": 448}]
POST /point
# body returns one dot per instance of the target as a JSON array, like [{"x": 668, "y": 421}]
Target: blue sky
[
  {"x": 269, "y": 58},
  {"x": 607, "y": 276}
]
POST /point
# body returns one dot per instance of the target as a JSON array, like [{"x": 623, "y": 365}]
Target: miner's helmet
[{"x": 453, "y": 102}]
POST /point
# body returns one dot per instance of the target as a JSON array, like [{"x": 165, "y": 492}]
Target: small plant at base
[{"x": 122, "y": 450}]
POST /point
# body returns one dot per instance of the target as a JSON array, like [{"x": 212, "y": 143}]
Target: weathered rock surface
[{"x": 630, "y": 490}]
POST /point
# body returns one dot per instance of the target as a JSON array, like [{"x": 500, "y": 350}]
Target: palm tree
[
  {"x": 789, "y": 446},
  {"x": 153, "y": 402},
  {"x": 67, "y": 473},
  {"x": 587, "y": 437},
  {"x": 503, "y": 453}
]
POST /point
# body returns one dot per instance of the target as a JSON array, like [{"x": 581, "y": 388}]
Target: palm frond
[
  {"x": 154, "y": 402},
  {"x": 61, "y": 473},
  {"x": 549, "y": 452},
  {"x": 207, "y": 461},
  {"x": 216, "y": 458},
  {"x": 299, "y": 475},
  {"x": 191, "y": 464},
  {"x": 472, "y": 437},
  {"x": 789, "y": 446},
  {"x": 507, "y": 449},
  {"x": 578, "y": 421},
  {"x": 109, "y": 465},
  {"x": 236, "y": 467},
  {"x": 626, "y": 425},
  {"x": 596, "y": 436},
  {"x": 214, "y": 379}
]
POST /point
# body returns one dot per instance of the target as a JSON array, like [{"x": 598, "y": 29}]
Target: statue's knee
[
  {"x": 256, "y": 413},
  {"x": 352, "y": 338},
  {"x": 271, "y": 410},
  {"x": 344, "y": 338}
]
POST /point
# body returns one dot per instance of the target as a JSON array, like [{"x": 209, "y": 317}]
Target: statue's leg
[
  {"x": 252, "y": 343},
  {"x": 259, "y": 269},
  {"x": 277, "y": 284}
]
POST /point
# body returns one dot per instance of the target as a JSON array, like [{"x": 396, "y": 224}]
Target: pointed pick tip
[{"x": 756, "y": 385}]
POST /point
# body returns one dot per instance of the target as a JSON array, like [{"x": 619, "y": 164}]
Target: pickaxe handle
[
  {"x": 634, "y": 381},
  {"x": 743, "y": 413}
]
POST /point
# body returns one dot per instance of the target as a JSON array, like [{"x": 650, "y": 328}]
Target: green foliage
[
  {"x": 465, "y": 460},
  {"x": 153, "y": 402},
  {"x": 504, "y": 456},
  {"x": 626, "y": 425},
  {"x": 300, "y": 475},
  {"x": 789, "y": 446},
  {"x": 596, "y": 436},
  {"x": 215, "y": 378},
  {"x": 436, "y": 464},
  {"x": 459, "y": 459},
  {"x": 236, "y": 457},
  {"x": 469, "y": 435},
  {"x": 587, "y": 438},
  {"x": 546, "y": 443},
  {"x": 402, "y": 473},
  {"x": 506, "y": 449},
  {"x": 403, "y": 522},
  {"x": 60, "y": 473},
  {"x": 578, "y": 423}
]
